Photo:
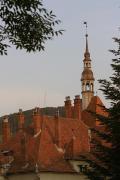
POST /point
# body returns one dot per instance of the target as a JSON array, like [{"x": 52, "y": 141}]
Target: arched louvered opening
[{"x": 87, "y": 86}]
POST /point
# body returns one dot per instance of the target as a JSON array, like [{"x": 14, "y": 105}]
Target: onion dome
[{"x": 87, "y": 74}]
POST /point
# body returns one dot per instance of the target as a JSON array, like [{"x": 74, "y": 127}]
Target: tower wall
[{"x": 86, "y": 98}]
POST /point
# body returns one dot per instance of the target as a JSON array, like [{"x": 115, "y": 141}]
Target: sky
[{"x": 46, "y": 78}]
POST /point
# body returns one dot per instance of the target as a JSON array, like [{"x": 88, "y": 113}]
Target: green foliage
[
  {"x": 107, "y": 155},
  {"x": 26, "y": 24}
]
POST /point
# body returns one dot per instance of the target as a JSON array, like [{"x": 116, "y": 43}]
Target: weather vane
[{"x": 85, "y": 22}]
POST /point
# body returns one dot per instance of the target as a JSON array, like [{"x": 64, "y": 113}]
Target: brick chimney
[
  {"x": 68, "y": 107},
  {"x": 37, "y": 120},
  {"x": 21, "y": 120},
  {"x": 77, "y": 107},
  {"x": 6, "y": 130}
]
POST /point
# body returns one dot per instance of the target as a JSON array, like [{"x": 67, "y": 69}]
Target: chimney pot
[
  {"x": 36, "y": 110},
  {"x": 68, "y": 107},
  {"x": 37, "y": 119},
  {"x": 6, "y": 129},
  {"x": 67, "y": 98},
  {"x": 21, "y": 119},
  {"x": 77, "y": 107},
  {"x": 20, "y": 111},
  {"x": 77, "y": 97},
  {"x": 5, "y": 119}
]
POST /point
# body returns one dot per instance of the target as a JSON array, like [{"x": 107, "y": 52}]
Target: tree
[
  {"x": 26, "y": 24},
  {"x": 105, "y": 161}
]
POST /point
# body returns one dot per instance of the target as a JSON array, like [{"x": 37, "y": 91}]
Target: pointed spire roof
[
  {"x": 86, "y": 43},
  {"x": 87, "y": 53}
]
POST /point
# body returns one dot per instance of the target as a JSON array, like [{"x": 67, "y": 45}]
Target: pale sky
[{"x": 45, "y": 78}]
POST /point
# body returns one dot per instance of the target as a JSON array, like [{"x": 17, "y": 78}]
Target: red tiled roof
[
  {"x": 95, "y": 106},
  {"x": 56, "y": 139}
]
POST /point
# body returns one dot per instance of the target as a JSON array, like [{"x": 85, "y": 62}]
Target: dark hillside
[{"x": 50, "y": 111}]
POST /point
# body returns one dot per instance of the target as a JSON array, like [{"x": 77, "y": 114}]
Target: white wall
[
  {"x": 48, "y": 176},
  {"x": 76, "y": 164},
  {"x": 29, "y": 176},
  {"x": 56, "y": 176}
]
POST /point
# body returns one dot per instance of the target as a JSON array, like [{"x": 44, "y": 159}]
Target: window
[
  {"x": 87, "y": 87},
  {"x": 83, "y": 168}
]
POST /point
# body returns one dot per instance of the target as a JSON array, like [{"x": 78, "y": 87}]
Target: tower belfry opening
[{"x": 87, "y": 77}]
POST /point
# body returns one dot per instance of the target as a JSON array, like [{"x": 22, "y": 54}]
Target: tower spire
[
  {"x": 86, "y": 54},
  {"x": 86, "y": 35},
  {"x": 87, "y": 78},
  {"x": 87, "y": 43}
]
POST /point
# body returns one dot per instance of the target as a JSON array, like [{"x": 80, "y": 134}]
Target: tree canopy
[
  {"x": 27, "y": 24},
  {"x": 106, "y": 142}
]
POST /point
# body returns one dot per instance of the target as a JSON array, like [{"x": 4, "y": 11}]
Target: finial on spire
[{"x": 86, "y": 35}]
